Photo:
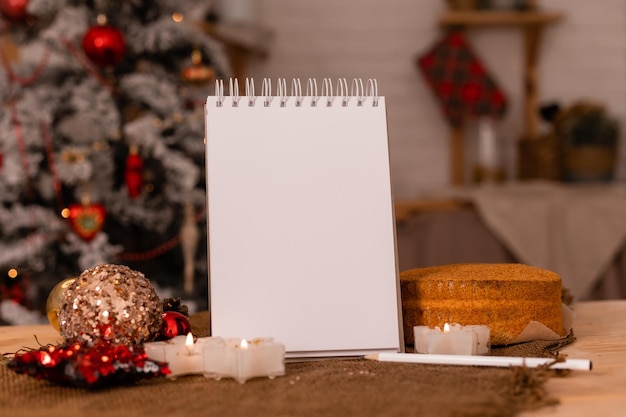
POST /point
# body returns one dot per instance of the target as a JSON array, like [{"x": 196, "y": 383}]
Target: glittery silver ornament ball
[{"x": 110, "y": 302}]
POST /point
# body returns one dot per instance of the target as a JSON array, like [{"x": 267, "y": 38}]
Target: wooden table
[{"x": 600, "y": 329}]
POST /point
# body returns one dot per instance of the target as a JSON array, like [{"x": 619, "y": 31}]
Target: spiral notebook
[{"x": 300, "y": 217}]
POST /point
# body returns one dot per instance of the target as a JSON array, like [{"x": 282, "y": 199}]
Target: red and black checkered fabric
[{"x": 460, "y": 81}]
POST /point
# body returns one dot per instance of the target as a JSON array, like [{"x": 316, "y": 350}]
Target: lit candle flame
[
  {"x": 446, "y": 328},
  {"x": 189, "y": 344},
  {"x": 244, "y": 344}
]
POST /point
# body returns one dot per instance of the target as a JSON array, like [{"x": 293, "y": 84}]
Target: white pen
[{"x": 474, "y": 360}]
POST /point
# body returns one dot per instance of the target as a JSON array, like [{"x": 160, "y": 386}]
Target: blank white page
[{"x": 301, "y": 226}]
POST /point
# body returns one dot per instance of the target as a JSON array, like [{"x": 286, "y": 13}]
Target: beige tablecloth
[{"x": 329, "y": 388}]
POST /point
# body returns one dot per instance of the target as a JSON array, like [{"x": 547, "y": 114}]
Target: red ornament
[
  {"x": 174, "y": 324},
  {"x": 86, "y": 219},
  {"x": 14, "y": 10},
  {"x": 460, "y": 81},
  {"x": 134, "y": 173},
  {"x": 104, "y": 45}
]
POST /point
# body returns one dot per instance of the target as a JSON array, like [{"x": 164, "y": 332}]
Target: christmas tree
[{"x": 101, "y": 141}]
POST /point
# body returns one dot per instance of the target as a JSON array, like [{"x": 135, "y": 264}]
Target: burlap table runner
[{"x": 320, "y": 388}]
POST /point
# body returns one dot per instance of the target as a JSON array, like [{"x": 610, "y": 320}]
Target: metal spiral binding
[
  {"x": 266, "y": 91},
  {"x": 342, "y": 90},
  {"x": 250, "y": 91},
  {"x": 281, "y": 91},
  {"x": 372, "y": 91},
  {"x": 219, "y": 92},
  {"x": 327, "y": 90},
  {"x": 234, "y": 91},
  {"x": 296, "y": 91},
  {"x": 358, "y": 90},
  {"x": 311, "y": 90}
]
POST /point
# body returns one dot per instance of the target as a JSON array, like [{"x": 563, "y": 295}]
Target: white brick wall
[{"x": 583, "y": 56}]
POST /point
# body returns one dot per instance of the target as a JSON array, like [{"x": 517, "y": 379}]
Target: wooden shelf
[
  {"x": 531, "y": 23},
  {"x": 499, "y": 18},
  {"x": 407, "y": 209}
]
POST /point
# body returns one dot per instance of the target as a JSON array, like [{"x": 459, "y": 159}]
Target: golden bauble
[
  {"x": 54, "y": 301},
  {"x": 113, "y": 303}
]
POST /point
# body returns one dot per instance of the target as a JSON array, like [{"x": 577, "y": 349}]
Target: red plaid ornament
[{"x": 460, "y": 81}]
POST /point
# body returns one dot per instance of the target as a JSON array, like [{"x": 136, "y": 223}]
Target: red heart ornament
[{"x": 87, "y": 219}]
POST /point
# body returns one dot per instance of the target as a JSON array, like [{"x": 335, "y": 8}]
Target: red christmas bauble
[
  {"x": 14, "y": 9},
  {"x": 86, "y": 219},
  {"x": 174, "y": 324},
  {"x": 104, "y": 45},
  {"x": 134, "y": 174}
]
